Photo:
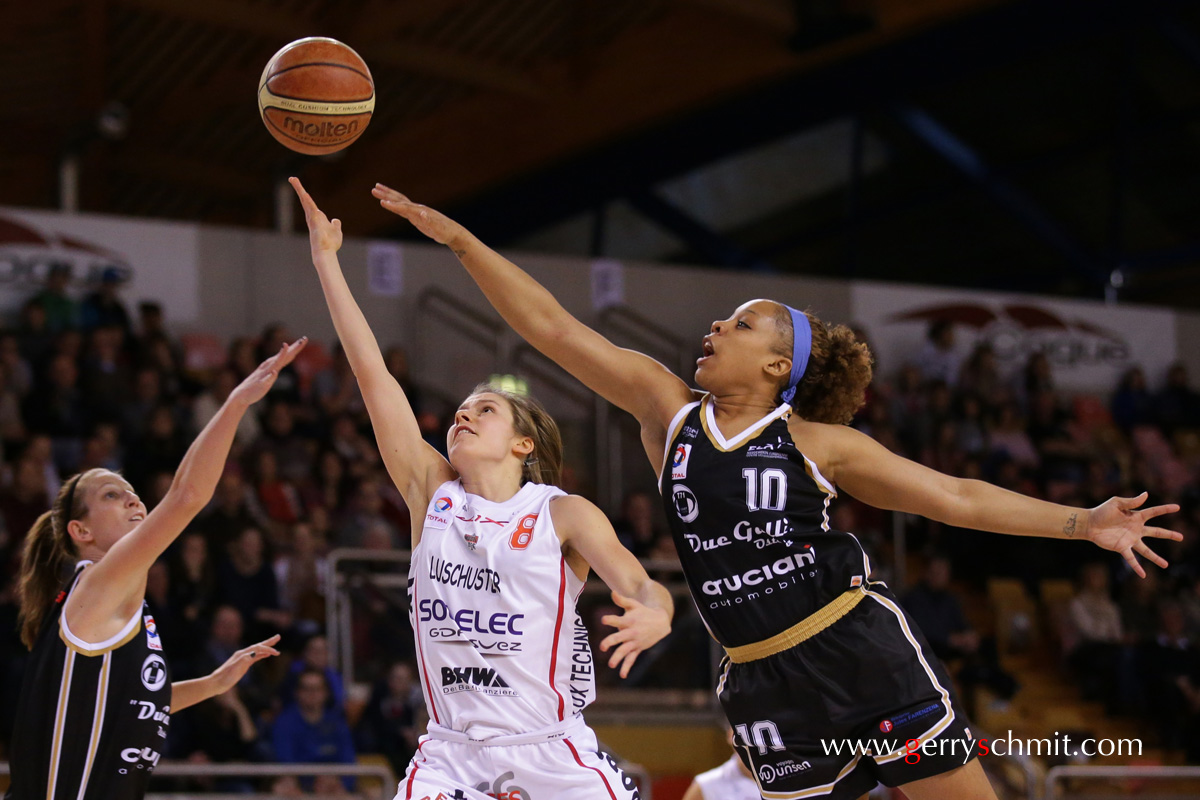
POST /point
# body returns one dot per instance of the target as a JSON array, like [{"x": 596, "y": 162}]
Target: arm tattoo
[
  {"x": 460, "y": 252},
  {"x": 1069, "y": 528}
]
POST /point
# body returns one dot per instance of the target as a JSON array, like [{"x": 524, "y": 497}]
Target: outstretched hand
[
  {"x": 228, "y": 674},
  {"x": 638, "y": 629},
  {"x": 1118, "y": 524},
  {"x": 324, "y": 236},
  {"x": 258, "y": 383},
  {"x": 434, "y": 224}
]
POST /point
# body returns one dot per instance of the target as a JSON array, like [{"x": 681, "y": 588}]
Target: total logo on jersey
[
  {"x": 469, "y": 620},
  {"x": 484, "y": 680},
  {"x": 679, "y": 461},
  {"x": 775, "y": 532},
  {"x": 152, "y": 639},
  {"x": 753, "y": 583},
  {"x": 464, "y": 576},
  {"x": 439, "y": 514}
]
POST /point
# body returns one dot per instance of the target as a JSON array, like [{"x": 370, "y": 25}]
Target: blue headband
[{"x": 801, "y": 347}]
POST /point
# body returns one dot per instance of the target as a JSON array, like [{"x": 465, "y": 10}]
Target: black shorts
[{"x": 868, "y": 684}]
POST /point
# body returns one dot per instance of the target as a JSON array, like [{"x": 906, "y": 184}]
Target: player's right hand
[
  {"x": 434, "y": 224},
  {"x": 324, "y": 236}
]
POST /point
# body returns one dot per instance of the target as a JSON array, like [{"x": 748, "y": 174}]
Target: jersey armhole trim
[
  {"x": 72, "y": 641},
  {"x": 673, "y": 431}
]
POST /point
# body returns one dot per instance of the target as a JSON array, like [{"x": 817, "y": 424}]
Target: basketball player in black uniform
[
  {"x": 96, "y": 701},
  {"x": 815, "y": 650}
]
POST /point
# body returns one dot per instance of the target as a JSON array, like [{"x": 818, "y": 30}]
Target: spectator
[
  {"x": 1095, "y": 646},
  {"x": 22, "y": 503},
  {"x": 56, "y": 407},
  {"x": 147, "y": 396},
  {"x": 243, "y": 357},
  {"x": 637, "y": 529},
  {"x": 287, "y": 385},
  {"x": 205, "y": 407},
  {"x": 389, "y": 722},
  {"x": 981, "y": 378},
  {"x": 939, "y": 614},
  {"x": 34, "y": 337},
  {"x": 1177, "y": 405},
  {"x": 1170, "y": 669},
  {"x": 17, "y": 370},
  {"x": 937, "y": 360},
  {"x": 335, "y": 389},
  {"x": 1009, "y": 438},
  {"x": 232, "y": 509},
  {"x": 293, "y": 453},
  {"x": 277, "y": 497},
  {"x": 61, "y": 311},
  {"x": 396, "y": 359},
  {"x": 1131, "y": 403},
  {"x": 301, "y": 575},
  {"x": 365, "y": 512},
  {"x": 309, "y": 731},
  {"x": 330, "y": 487},
  {"x": 314, "y": 657},
  {"x": 1037, "y": 377},
  {"x": 160, "y": 449},
  {"x": 219, "y": 732},
  {"x": 193, "y": 591},
  {"x": 246, "y": 581},
  {"x": 103, "y": 307},
  {"x": 153, "y": 326},
  {"x": 105, "y": 376}
]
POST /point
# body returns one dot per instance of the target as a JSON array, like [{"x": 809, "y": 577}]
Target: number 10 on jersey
[{"x": 766, "y": 490}]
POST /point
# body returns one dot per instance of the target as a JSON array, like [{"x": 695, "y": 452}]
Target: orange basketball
[{"x": 316, "y": 96}]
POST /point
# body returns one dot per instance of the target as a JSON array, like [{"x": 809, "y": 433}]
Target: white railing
[{"x": 1059, "y": 774}]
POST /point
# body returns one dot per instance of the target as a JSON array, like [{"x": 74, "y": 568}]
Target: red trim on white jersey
[
  {"x": 421, "y": 653},
  {"x": 579, "y": 761},
  {"x": 562, "y": 594}
]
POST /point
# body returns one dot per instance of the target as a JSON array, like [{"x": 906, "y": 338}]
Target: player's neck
[
  {"x": 737, "y": 411},
  {"x": 495, "y": 486}
]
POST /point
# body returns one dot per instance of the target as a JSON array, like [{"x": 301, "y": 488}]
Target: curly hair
[{"x": 834, "y": 386}]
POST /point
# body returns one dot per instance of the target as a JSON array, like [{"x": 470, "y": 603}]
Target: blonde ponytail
[{"x": 47, "y": 551}]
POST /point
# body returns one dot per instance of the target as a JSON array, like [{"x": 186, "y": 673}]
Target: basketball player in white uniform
[
  {"x": 730, "y": 781},
  {"x": 499, "y": 557}
]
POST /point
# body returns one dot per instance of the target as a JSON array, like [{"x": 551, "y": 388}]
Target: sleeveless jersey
[
  {"x": 750, "y": 519},
  {"x": 727, "y": 782},
  {"x": 500, "y": 646},
  {"x": 92, "y": 719}
]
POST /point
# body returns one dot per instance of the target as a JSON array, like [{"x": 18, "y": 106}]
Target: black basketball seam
[
  {"x": 287, "y": 135},
  {"x": 310, "y": 100},
  {"x": 320, "y": 64},
  {"x": 265, "y": 109}
]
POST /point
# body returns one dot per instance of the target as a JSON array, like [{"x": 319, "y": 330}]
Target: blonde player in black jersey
[
  {"x": 747, "y": 470},
  {"x": 97, "y": 698}
]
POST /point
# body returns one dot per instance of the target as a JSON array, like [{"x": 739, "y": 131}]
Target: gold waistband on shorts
[{"x": 804, "y": 629}]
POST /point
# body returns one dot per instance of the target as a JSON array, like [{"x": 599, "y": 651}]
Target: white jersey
[
  {"x": 500, "y": 647},
  {"x": 727, "y": 782}
]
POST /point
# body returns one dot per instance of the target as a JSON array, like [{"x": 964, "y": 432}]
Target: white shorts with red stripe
[{"x": 563, "y": 761}]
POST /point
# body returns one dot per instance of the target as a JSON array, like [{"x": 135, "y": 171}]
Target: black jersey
[
  {"x": 750, "y": 518},
  {"x": 92, "y": 718}
]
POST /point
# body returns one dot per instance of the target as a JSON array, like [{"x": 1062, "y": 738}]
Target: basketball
[{"x": 316, "y": 96}]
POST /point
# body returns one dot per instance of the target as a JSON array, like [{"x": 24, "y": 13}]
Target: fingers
[
  {"x": 614, "y": 639},
  {"x": 624, "y": 602},
  {"x": 614, "y": 621},
  {"x": 305, "y": 199},
  {"x": 1132, "y": 561},
  {"x": 1158, "y": 511},
  {"x": 287, "y": 354},
  {"x": 1130, "y": 503},
  {"x": 1163, "y": 533},
  {"x": 621, "y": 653},
  {"x": 272, "y": 641},
  {"x": 1154, "y": 558},
  {"x": 387, "y": 193}
]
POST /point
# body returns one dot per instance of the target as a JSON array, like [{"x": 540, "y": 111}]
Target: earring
[{"x": 530, "y": 461}]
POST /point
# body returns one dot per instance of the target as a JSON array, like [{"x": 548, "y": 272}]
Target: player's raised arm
[
  {"x": 117, "y": 581},
  {"x": 585, "y": 530},
  {"x": 875, "y": 475},
  {"x": 414, "y": 466},
  {"x": 629, "y": 379}
]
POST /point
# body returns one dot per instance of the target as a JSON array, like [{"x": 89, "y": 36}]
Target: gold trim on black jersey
[
  {"x": 718, "y": 440},
  {"x": 97, "y": 721},
  {"x": 60, "y": 721},
  {"x": 64, "y": 634}
]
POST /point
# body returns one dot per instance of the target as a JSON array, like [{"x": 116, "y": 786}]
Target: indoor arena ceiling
[{"x": 1023, "y": 143}]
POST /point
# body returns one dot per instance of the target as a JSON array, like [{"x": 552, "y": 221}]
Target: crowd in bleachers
[
  {"x": 85, "y": 385},
  {"x": 1129, "y": 643}
]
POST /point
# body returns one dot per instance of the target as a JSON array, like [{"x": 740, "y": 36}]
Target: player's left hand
[
  {"x": 1119, "y": 524},
  {"x": 225, "y": 676},
  {"x": 639, "y": 628}
]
